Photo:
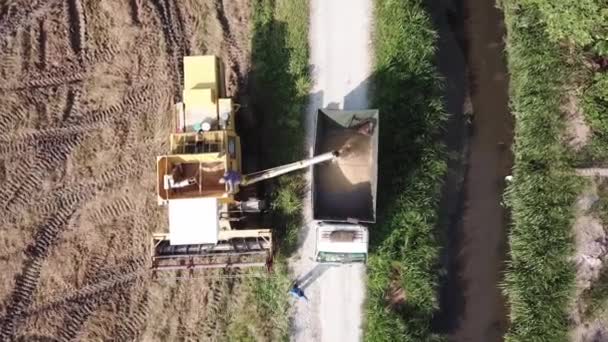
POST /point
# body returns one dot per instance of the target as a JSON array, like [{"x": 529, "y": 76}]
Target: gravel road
[{"x": 340, "y": 43}]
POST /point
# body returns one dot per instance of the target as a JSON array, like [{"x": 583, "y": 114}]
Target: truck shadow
[{"x": 311, "y": 276}]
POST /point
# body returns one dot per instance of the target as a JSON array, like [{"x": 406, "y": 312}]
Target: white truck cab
[{"x": 341, "y": 243}]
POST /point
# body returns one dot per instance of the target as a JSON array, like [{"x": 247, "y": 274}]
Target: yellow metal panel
[
  {"x": 244, "y": 233},
  {"x": 201, "y": 71},
  {"x": 199, "y": 97},
  {"x": 193, "y": 158}
]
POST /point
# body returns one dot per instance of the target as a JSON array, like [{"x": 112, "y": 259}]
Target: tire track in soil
[
  {"x": 80, "y": 311},
  {"x": 72, "y": 107},
  {"x": 115, "y": 209},
  {"x": 235, "y": 75},
  {"x": 53, "y": 201},
  {"x": 111, "y": 284},
  {"x": 22, "y": 14},
  {"x": 26, "y": 48},
  {"x": 174, "y": 44},
  {"x": 100, "y": 55},
  {"x": 131, "y": 326},
  {"x": 215, "y": 302},
  {"x": 180, "y": 26},
  {"x": 47, "y": 157},
  {"x": 48, "y": 233},
  {"x": 36, "y": 338},
  {"x": 135, "y": 11},
  {"x": 76, "y": 19},
  {"x": 220, "y": 292},
  {"x": 6, "y": 119},
  {"x": 49, "y": 80},
  {"x": 42, "y": 43},
  {"x": 54, "y": 154},
  {"x": 27, "y": 282},
  {"x": 12, "y": 115},
  {"x": 69, "y": 138}
]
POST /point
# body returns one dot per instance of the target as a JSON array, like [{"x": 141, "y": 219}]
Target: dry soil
[{"x": 86, "y": 88}]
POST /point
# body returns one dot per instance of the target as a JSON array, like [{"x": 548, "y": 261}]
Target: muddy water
[{"x": 480, "y": 131}]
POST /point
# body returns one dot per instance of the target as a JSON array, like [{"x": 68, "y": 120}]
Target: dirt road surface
[{"x": 341, "y": 59}]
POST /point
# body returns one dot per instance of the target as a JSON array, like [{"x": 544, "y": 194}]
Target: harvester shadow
[{"x": 275, "y": 128}]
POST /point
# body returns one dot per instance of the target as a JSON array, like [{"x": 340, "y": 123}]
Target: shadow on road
[{"x": 311, "y": 276}]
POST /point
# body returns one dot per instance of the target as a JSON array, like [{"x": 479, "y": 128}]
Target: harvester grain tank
[
  {"x": 200, "y": 180},
  {"x": 344, "y": 192}
]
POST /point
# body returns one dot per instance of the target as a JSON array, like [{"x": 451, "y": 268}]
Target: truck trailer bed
[{"x": 345, "y": 189}]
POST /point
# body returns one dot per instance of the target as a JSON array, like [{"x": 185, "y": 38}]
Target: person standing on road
[{"x": 297, "y": 292}]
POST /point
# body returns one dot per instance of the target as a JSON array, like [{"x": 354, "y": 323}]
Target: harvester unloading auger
[{"x": 199, "y": 179}]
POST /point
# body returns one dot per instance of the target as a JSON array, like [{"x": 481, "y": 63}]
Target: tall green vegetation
[
  {"x": 540, "y": 278},
  {"x": 595, "y": 108},
  {"x": 579, "y": 29},
  {"x": 581, "y": 22},
  {"x": 403, "y": 266},
  {"x": 280, "y": 83}
]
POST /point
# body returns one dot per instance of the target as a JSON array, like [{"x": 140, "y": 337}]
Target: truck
[{"x": 344, "y": 191}]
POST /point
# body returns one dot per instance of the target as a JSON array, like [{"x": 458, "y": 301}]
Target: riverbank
[
  {"x": 547, "y": 54},
  {"x": 403, "y": 267}
]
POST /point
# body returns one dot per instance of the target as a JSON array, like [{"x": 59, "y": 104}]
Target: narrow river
[{"x": 471, "y": 58}]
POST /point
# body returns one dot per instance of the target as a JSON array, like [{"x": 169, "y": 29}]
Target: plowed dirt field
[{"x": 86, "y": 89}]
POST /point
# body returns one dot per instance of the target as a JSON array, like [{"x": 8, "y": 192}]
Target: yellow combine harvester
[{"x": 200, "y": 177}]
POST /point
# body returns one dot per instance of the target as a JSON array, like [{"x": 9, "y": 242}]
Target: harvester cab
[{"x": 199, "y": 180}]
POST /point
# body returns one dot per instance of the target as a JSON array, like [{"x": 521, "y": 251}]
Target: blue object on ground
[{"x": 298, "y": 293}]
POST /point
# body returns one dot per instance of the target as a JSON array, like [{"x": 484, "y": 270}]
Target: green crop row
[
  {"x": 540, "y": 277},
  {"x": 403, "y": 267}
]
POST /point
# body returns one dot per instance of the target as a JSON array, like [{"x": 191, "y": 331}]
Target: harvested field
[{"x": 86, "y": 91}]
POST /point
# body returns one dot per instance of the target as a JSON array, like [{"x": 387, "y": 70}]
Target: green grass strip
[
  {"x": 405, "y": 243},
  {"x": 280, "y": 84},
  {"x": 540, "y": 277}
]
